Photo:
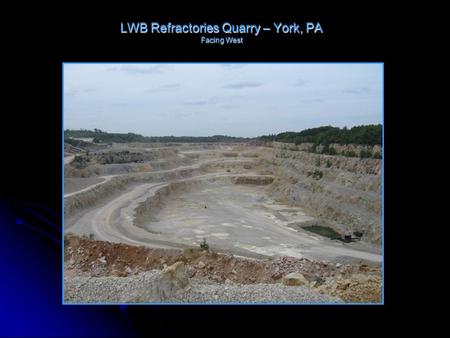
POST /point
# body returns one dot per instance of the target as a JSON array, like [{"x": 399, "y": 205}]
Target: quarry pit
[{"x": 247, "y": 200}]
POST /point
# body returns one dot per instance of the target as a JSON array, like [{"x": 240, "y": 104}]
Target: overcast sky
[{"x": 227, "y": 99}]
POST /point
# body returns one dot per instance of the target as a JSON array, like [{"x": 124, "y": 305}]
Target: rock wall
[
  {"x": 116, "y": 184},
  {"x": 342, "y": 191},
  {"x": 340, "y": 149},
  {"x": 153, "y": 203},
  {"x": 127, "y": 156}
]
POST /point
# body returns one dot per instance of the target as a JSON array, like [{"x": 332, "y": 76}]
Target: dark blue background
[{"x": 31, "y": 286}]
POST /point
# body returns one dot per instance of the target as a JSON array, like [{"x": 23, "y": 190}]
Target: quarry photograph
[{"x": 223, "y": 183}]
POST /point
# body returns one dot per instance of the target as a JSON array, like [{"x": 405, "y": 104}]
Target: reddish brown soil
[{"x": 98, "y": 258}]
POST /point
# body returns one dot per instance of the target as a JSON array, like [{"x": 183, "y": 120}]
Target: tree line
[
  {"x": 365, "y": 135},
  {"x": 326, "y": 135},
  {"x": 100, "y": 136}
]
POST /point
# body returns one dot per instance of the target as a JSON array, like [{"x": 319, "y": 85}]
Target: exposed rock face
[
  {"x": 257, "y": 180},
  {"x": 294, "y": 278},
  {"x": 126, "y": 156},
  {"x": 343, "y": 191},
  {"x": 340, "y": 149}
]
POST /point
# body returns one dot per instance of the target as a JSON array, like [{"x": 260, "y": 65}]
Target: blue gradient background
[{"x": 30, "y": 281}]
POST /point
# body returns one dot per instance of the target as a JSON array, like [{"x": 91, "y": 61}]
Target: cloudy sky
[{"x": 227, "y": 99}]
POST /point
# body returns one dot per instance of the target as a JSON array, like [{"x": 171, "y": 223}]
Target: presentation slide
[{"x": 204, "y": 174}]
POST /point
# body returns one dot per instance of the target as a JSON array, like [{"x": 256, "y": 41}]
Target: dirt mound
[{"x": 83, "y": 256}]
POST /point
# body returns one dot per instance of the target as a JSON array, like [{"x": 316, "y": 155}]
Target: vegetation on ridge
[
  {"x": 100, "y": 136},
  {"x": 366, "y": 135}
]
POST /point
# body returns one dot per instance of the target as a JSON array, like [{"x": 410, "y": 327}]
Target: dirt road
[
  {"x": 103, "y": 180},
  {"x": 68, "y": 159}
]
